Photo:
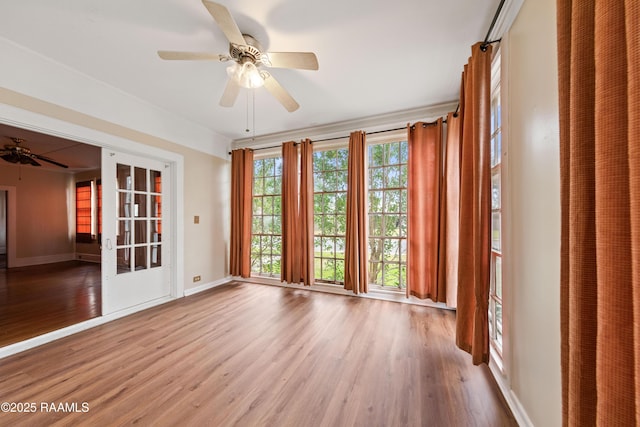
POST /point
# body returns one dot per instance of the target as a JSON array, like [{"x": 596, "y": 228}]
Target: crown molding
[
  {"x": 507, "y": 15},
  {"x": 338, "y": 129}
]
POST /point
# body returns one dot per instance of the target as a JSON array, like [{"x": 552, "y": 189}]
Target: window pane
[
  {"x": 156, "y": 256},
  {"x": 123, "y": 176},
  {"x": 498, "y": 276},
  {"x": 156, "y": 231},
  {"x": 141, "y": 257},
  {"x": 123, "y": 260},
  {"x": 495, "y": 230},
  {"x": 387, "y": 214},
  {"x": 141, "y": 179},
  {"x": 140, "y": 206},
  {"x": 141, "y": 231},
  {"x": 495, "y": 189}
]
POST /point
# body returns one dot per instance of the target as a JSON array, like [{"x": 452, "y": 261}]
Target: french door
[{"x": 135, "y": 251}]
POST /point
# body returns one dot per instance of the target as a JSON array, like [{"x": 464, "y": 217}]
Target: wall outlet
[
  {"x": 196, "y": 219},
  {"x": 196, "y": 278}
]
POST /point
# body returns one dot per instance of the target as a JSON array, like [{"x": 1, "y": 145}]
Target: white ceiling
[{"x": 375, "y": 56}]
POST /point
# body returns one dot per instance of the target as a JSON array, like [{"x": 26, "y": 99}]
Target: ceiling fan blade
[
  {"x": 299, "y": 60},
  {"x": 272, "y": 85},
  {"x": 196, "y": 56},
  {"x": 230, "y": 94},
  {"x": 11, "y": 157},
  {"x": 45, "y": 159},
  {"x": 28, "y": 160},
  {"x": 225, "y": 21}
]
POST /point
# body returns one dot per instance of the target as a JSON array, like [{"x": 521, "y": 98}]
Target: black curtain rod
[
  {"x": 373, "y": 133},
  {"x": 347, "y": 136},
  {"x": 486, "y": 42}
]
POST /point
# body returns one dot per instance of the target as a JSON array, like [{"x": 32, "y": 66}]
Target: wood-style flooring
[
  {"x": 43, "y": 298},
  {"x": 256, "y": 355}
]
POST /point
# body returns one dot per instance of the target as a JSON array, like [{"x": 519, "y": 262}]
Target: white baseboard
[
  {"x": 78, "y": 327},
  {"x": 513, "y": 402},
  {"x": 378, "y": 294},
  {"x": 38, "y": 260},
  {"x": 204, "y": 287},
  {"x": 88, "y": 257}
]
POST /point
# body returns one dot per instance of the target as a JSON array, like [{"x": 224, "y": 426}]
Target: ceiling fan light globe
[{"x": 246, "y": 75}]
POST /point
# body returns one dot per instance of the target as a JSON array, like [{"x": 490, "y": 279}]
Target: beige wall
[
  {"x": 206, "y": 196},
  {"x": 533, "y": 184},
  {"x": 44, "y": 204}
]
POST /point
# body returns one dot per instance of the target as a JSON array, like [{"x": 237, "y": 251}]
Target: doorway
[{"x": 3, "y": 229}]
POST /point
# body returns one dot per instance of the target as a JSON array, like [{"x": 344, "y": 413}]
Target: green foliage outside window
[
  {"x": 266, "y": 229},
  {"x": 388, "y": 214},
  {"x": 330, "y": 214}
]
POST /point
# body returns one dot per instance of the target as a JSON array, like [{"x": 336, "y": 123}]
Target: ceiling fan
[
  {"x": 246, "y": 52},
  {"x": 16, "y": 153}
]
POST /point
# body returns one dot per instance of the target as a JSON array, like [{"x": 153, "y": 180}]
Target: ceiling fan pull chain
[{"x": 246, "y": 129}]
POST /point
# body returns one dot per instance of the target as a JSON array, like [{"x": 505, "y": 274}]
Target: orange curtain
[
  {"x": 290, "y": 267},
  {"x": 241, "y": 210},
  {"x": 599, "y": 89},
  {"x": 423, "y": 210},
  {"x": 355, "y": 261},
  {"x": 472, "y": 324},
  {"x": 450, "y": 211},
  {"x": 306, "y": 212}
]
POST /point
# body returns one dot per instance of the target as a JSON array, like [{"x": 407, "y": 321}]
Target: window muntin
[
  {"x": 138, "y": 240},
  {"x": 388, "y": 214},
  {"x": 330, "y": 213},
  {"x": 266, "y": 229}
]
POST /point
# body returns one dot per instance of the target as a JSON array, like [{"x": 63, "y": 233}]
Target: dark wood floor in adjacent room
[
  {"x": 39, "y": 299},
  {"x": 256, "y": 355}
]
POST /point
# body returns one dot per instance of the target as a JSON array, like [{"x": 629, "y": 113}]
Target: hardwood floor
[
  {"x": 257, "y": 355},
  {"x": 39, "y": 299}
]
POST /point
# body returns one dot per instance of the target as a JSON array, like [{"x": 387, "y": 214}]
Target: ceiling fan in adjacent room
[
  {"x": 17, "y": 153},
  {"x": 246, "y": 52}
]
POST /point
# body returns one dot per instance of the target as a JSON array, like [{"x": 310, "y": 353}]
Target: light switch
[{"x": 196, "y": 219}]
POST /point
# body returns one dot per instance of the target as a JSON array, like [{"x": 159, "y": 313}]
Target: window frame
[
  {"x": 496, "y": 288},
  {"x": 272, "y": 254},
  {"x": 87, "y": 216},
  {"x": 401, "y": 263},
  {"x": 319, "y": 262}
]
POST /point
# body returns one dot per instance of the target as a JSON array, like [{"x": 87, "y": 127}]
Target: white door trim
[
  {"x": 18, "y": 117},
  {"x": 11, "y": 224}
]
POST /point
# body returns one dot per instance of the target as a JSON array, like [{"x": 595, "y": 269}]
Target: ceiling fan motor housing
[{"x": 252, "y": 51}]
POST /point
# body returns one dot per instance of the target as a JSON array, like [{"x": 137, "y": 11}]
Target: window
[
  {"x": 84, "y": 212},
  {"x": 388, "y": 214},
  {"x": 266, "y": 230},
  {"x": 89, "y": 211},
  {"x": 495, "y": 292},
  {"x": 330, "y": 214}
]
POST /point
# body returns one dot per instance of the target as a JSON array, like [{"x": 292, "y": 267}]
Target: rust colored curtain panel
[
  {"x": 290, "y": 268},
  {"x": 241, "y": 210},
  {"x": 355, "y": 258},
  {"x": 306, "y": 212},
  {"x": 599, "y": 90},
  {"x": 472, "y": 319},
  {"x": 450, "y": 211},
  {"x": 423, "y": 210}
]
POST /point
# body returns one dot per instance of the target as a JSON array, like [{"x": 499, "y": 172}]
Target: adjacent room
[
  {"x": 219, "y": 212},
  {"x": 50, "y": 229}
]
